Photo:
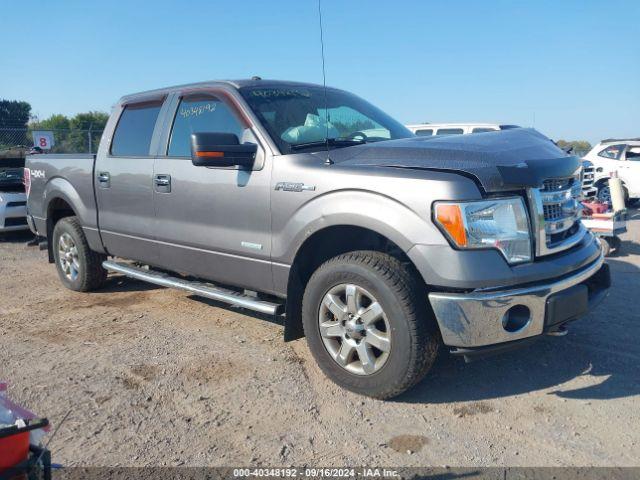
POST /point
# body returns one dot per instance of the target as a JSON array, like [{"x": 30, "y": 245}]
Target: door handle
[
  {"x": 104, "y": 179},
  {"x": 163, "y": 180},
  {"x": 163, "y": 183}
]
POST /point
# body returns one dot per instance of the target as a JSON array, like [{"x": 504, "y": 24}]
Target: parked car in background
[
  {"x": 615, "y": 155},
  {"x": 432, "y": 129},
  {"x": 291, "y": 198},
  {"x": 13, "y": 201}
]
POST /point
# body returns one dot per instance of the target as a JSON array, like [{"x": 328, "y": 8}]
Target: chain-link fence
[
  {"x": 84, "y": 141},
  {"x": 55, "y": 141}
]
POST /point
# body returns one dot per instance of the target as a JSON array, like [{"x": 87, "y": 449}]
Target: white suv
[
  {"x": 614, "y": 155},
  {"x": 429, "y": 129}
]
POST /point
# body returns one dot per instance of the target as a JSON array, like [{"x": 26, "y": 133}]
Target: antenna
[{"x": 324, "y": 84}]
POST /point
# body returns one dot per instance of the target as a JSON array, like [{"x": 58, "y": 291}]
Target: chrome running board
[{"x": 197, "y": 288}]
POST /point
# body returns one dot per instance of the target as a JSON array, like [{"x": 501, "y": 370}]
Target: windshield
[{"x": 297, "y": 118}]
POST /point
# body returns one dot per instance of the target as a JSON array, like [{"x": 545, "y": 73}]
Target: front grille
[
  {"x": 556, "y": 184},
  {"x": 16, "y": 204},
  {"x": 14, "y": 222},
  {"x": 556, "y": 214},
  {"x": 552, "y": 212},
  {"x": 588, "y": 178}
]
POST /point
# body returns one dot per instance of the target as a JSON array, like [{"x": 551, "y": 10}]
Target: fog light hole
[{"x": 516, "y": 318}]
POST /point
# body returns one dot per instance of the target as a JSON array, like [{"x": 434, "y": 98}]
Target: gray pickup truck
[{"x": 289, "y": 199}]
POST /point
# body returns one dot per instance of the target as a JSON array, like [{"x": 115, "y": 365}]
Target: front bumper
[
  {"x": 13, "y": 211},
  {"x": 489, "y": 317}
]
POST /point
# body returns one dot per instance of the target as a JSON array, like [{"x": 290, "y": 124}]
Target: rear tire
[
  {"x": 395, "y": 342},
  {"x": 79, "y": 268}
]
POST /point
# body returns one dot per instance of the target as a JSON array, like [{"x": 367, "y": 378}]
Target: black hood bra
[{"x": 504, "y": 160}]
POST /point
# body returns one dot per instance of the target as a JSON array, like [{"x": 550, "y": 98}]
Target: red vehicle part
[
  {"x": 595, "y": 207},
  {"x": 14, "y": 448}
]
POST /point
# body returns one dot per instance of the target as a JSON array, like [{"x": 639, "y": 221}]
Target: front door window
[{"x": 198, "y": 114}]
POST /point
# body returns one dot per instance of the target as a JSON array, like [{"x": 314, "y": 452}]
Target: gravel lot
[{"x": 158, "y": 377}]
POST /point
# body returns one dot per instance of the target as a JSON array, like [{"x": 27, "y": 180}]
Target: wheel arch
[
  {"x": 62, "y": 199},
  {"x": 319, "y": 247},
  {"x": 58, "y": 207}
]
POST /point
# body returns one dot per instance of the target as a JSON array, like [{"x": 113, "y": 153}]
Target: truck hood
[{"x": 504, "y": 160}]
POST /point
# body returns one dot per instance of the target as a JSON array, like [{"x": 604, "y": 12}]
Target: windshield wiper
[{"x": 332, "y": 142}]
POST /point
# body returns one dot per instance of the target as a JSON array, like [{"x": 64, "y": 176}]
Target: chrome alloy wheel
[
  {"x": 354, "y": 329},
  {"x": 68, "y": 256}
]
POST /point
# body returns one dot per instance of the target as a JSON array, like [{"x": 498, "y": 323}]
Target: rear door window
[
  {"x": 425, "y": 132},
  {"x": 613, "y": 152},
  {"x": 449, "y": 131},
  {"x": 199, "y": 114},
  {"x": 633, "y": 154},
  {"x": 132, "y": 137}
]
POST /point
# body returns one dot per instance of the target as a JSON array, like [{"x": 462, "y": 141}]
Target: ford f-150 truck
[{"x": 290, "y": 199}]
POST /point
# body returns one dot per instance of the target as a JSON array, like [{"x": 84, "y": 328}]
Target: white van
[{"x": 429, "y": 129}]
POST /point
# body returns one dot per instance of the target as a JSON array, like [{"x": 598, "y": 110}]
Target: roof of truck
[{"x": 250, "y": 82}]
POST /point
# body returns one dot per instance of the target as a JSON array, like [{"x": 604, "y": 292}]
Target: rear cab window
[
  {"x": 201, "y": 113},
  {"x": 132, "y": 136}
]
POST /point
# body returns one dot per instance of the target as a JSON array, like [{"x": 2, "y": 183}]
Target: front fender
[{"x": 358, "y": 208}]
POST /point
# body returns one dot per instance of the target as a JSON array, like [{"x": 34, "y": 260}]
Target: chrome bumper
[
  {"x": 478, "y": 318},
  {"x": 12, "y": 212}
]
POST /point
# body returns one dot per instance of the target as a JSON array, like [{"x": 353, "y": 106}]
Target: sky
[{"x": 569, "y": 68}]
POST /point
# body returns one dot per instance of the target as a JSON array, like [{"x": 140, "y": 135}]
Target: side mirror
[{"x": 221, "y": 150}]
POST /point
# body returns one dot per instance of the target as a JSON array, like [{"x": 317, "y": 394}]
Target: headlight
[{"x": 500, "y": 223}]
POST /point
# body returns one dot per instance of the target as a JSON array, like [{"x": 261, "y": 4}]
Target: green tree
[
  {"x": 86, "y": 130},
  {"x": 54, "y": 122},
  {"x": 14, "y": 113},
  {"x": 61, "y": 127},
  {"x": 579, "y": 146},
  {"x": 79, "y": 134},
  {"x": 14, "y": 116},
  {"x": 89, "y": 121}
]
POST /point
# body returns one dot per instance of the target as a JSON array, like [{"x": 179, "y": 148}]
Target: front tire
[
  {"x": 79, "y": 268},
  {"x": 368, "y": 325}
]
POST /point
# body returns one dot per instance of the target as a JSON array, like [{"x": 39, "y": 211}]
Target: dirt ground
[{"x": 157, "y": 377}]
